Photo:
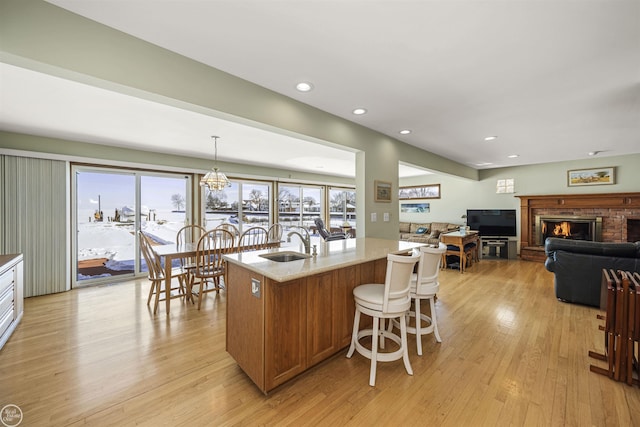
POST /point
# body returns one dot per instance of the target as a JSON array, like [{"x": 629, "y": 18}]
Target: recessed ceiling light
[
  {"x": 304, "y": 86},
  {"x": 405, "y": 132},
  {"x": 359, "y": 111},
  {"x": 513, "y": 156},
  {"x": 490, "y": 138}
]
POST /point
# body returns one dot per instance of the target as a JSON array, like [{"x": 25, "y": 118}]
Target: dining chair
[
  {"x": 253, "y": 239},
  {"x": 275, "y": 232},
  {"x": 231, "y": 229},
  {"x": 189, "y": 234},
  {"x": 156, "y": 275},
  {"x": 424, "y": 286},
  {"x": 384, "y": 301},
  {"x": 210, "y": 264}
]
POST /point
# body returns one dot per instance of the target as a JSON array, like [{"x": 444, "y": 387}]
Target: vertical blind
[{"x": 34, "y": 221}]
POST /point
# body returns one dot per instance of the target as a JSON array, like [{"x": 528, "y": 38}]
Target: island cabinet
[
  {"x": 277, "y": 330},
  {"x": 11, "y": 295}
]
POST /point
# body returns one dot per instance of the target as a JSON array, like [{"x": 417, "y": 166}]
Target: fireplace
[
  {"x": 619, "y": 213},
  {"x": 568, "y": 227}
]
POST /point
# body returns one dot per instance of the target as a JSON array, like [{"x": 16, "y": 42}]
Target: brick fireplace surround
[{"x": 620, "y": 214}]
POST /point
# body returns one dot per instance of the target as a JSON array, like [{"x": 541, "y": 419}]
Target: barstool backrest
[
  {"x": 429, "y": 265},
  {"x": 398, "y": 282}
]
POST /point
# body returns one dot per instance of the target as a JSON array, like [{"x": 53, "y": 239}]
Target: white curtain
[{"x": 34, "y": 212}]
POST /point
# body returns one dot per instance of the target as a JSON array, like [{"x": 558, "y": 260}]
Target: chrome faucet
[{"x": 305, "y": 240}]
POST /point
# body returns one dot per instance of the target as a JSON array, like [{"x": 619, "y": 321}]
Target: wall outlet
[{"x": 255, "y": 288}]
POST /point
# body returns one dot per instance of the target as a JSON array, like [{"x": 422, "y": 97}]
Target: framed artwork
[
  {"x": 596, "y": 176},
  {"x": 431, "y": 191},
  {"x": 415, "y": 208},
  {"x": 382, "y": 191}
]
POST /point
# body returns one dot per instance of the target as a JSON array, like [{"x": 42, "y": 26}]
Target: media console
[{"x": 498, "y": 247}]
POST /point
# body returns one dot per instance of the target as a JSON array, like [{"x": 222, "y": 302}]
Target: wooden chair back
[{"x": 253, "y": 239}]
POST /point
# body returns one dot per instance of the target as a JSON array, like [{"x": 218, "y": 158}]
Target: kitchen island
[{"x": 285, "y": 317}]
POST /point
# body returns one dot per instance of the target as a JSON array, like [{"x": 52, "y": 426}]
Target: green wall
[{"x": 460, "y": 194}]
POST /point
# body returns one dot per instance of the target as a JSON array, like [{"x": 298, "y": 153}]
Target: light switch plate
[
  {"x": 374, "y": 217},
  {"x": 385, "y": 217}
]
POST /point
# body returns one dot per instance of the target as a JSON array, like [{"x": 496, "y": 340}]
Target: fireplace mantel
[{"x": 613, "y": 204}]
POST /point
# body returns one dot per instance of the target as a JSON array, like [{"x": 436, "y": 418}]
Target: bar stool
[
  {"x": 384, "y": 301},
  {"x": 425, "y": 285}
]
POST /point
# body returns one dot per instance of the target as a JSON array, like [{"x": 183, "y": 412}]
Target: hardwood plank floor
[{"x": 511, "y": 355}]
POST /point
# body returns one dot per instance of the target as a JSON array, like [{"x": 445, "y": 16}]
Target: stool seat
[{"x": 384, "y": 301}]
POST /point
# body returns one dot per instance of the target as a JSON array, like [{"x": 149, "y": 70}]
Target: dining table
[
  {"x": 460, "y": 239},
  {"x": 173, "y": 251},
  {"x": 169, "y": 253}
]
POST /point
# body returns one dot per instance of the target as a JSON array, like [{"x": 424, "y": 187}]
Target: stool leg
[
  {"x": 403, "y": 340},
  {"x": 433, "y": 318},
  {"x": 374, "y": 352},
  {"x": 418, "y": 326},
  {"x": 354, "y": 334}
]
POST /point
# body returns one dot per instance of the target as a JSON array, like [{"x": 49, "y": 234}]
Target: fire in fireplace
[{"x": 568, "y": 227}]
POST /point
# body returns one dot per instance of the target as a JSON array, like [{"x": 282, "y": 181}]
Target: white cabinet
[{"x": 11, "y": 295}]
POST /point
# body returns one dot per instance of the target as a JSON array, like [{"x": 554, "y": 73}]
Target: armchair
[{"x": 325, "y": 234}]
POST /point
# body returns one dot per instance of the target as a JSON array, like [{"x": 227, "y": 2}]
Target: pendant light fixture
[{"x": 215, "y": 180}]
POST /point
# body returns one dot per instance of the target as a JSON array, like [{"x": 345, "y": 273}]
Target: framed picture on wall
[
  {"x": 431, "y": 191},
  {"x": 382, "y": 191},
  {"x": 596, "y": 176},
  {"x": 415, "y": 208}
]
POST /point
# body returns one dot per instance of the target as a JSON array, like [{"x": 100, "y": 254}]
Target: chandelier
[{"x": 215, "y": 180}]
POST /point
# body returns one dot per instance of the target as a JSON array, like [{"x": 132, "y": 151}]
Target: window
[
  {"x": 299, "y": 205},
  {"x": 244, "y": 204},
  {"x": 342, "y": 208}
]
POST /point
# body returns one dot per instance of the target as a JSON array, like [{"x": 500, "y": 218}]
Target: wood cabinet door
[
  {"x": 345, "y": 281},
  {"x": 321, "y": 318},
  {"x": 285, "y": 331}
]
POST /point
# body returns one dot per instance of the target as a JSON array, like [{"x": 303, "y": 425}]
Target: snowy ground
[{"x": 115, "y": 241}]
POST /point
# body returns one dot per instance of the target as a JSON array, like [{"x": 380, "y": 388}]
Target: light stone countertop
[{"x": 331, "y": 256}]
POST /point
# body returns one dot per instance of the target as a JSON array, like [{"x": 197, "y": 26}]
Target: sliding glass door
[{"x": 111, "y": 205}]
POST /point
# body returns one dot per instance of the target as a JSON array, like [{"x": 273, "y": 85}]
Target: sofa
[
  {"x": 428, "y": 232},
  {"x": 577, "y": 266}
]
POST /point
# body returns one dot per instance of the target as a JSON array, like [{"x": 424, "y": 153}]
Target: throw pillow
[
  {"x": 435, "y": 234},
  {"x": 421, "y": 230}
]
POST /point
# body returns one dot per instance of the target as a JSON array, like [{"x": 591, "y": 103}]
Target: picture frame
[
  {"x": 593, "y": 176},
  {"x": 431, "y": 191},
  {"x": 382, "y": 191},
  {"x": 415, "y": 208}
]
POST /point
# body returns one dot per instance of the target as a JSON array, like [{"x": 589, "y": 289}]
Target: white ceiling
[{"x": 553, "y": 80}]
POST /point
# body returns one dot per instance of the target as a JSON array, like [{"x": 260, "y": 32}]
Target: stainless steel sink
[{"x": 285, "y": 256}]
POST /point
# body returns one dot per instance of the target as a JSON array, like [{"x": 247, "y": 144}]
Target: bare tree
[{"x": 177, "y": 201}]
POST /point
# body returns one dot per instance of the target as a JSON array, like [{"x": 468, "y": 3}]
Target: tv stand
[{"x": 498, "y": 247}]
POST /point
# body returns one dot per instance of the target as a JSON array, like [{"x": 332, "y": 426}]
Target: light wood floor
[{"x": 511, "y": 355}]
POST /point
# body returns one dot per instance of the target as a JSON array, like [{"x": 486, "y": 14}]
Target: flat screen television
[{"x": 492, "y": 222}]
